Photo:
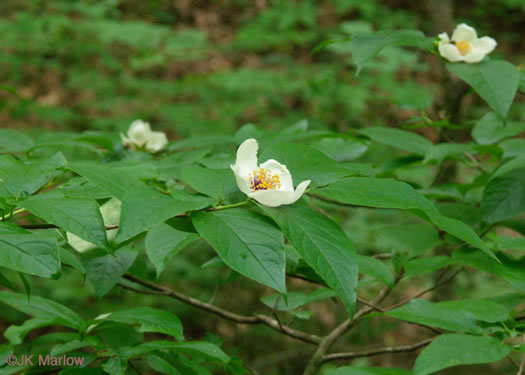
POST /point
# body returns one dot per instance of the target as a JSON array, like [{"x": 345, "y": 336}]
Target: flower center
[
  {"x": 463, "y": 47},
  {"x": 263, "y": 179}
]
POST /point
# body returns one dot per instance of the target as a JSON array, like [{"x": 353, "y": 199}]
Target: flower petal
[
  {"x": 484, "y": 45},
  {"x": 243, "y": 180},
  {"x": 449, "y": 52},
  {"x": 279, "y": 169},
  {"x": 299, "y": 191},
  {"x": 480, "y": 48},
  {"x": 444, "y": 37},
  {"x": 139, "y": 132},
  {"x": 272, "y": 198},
  {"x": 247, "y": 156},
  {"x": 464, "y": 32},
  {"x": 156, "y": 141}
]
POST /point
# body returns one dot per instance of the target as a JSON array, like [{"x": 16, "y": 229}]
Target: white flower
[
  {"x": 140, "y": 135},
  {"x": 465, "y": 45},
  {"x": 110, "y": 212},
  {"x": 269, "y": 183}
]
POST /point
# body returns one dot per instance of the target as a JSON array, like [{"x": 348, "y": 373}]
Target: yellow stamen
[
  {"x": 263, "y": 179},
  {"x": 463, "y": 47}
]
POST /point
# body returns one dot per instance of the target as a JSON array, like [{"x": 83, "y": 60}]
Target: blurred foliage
[{"x": 199, "y": 66}]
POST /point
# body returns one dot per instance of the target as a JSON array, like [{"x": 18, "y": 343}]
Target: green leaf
[
  {"x": 399, "y": 138},
  {"x": 366, "y": 46},
  {"x": 66, "y": 347},
  {"x": 307, "y": 163},
  {"x": 4, "y": 281},
  {"x": 247, "y": 242},
  {"x": 513, "y": 147},
  {"x": 455, "y": 349},
  {"x": 376, "y": 192},
  {"x": 513, "y": 164},
  {"x": 481, "y": 309},
  {"x": 375, "y": 268},
  {"x": 115, "y": 182},
  {"x": 216, "y": 183},
  {"x": 348, "y": 370},
  {"x": 202, "y": 349},
  {"x": 462, "y": 231},
  {"x": 25, "y": 178},
  {"x": 491, "y": 129},
  {"x": 161, "y": 365},
  {"x": 115, "y": 366},
  {"x": 386, "y": 193},
  {"x": 197, "y": 202},
  {"x": 187, "y": 366},
  {"x": 509, "y": 269},
  {"x": 10, "y": 228},
  {"x": 433, "y": 314},
  {"x": 345, "y": 149},
  {"x": 149, "y": 320},
  {"x": 323, "y": 245},
  {"x": 44, "y": 309},
  {"x": 163, "y": 242},
  {"x": 496, "y": 81},
  {"x": 104, "y": 270},
  {"x": 15, "y": 334},
  {"x": 507, "y": 242},
  {"x": 294, "y": 300},
  {"x": 444, "y": 151},
  {"x": 422, "y": 266},
  {"x": 78, "y": 216},
  {"x": 414, "y": 238},
  {"x": 504, "y": 196},
  {"x": 34, "y": 254},
  {"x": 13, "y": 141},
  {"x": 144, "y": 207}
]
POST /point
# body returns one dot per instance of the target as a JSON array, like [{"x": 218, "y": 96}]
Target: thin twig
[
  {"x": 427, "y": 290},
  {"x": 317, "y": 359},
  {"x": 522, "y": 367},
  {"x": 513, "y": 361},
  {"x": 475, "y": 162},
  {"x": 373, "y": 352},
  {"x": 359, "y": 299},
  {"x": 370, "y": 304},
  {"x": 158, "y": 289}
]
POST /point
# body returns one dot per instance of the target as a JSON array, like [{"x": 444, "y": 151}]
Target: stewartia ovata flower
[
  {"x": 140, "y": 135},
  {"x": 110, "y": 212},
  {"x": 465, "y": 45},
  {"x": 269, "y": 183}
]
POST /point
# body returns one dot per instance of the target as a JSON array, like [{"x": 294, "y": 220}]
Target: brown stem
[
  {"x": 317, "y": 359},
  {"x": 427, "y": 290},
  {"x": 372, "y": 352},
  {"x": 522, "y": 367},
  {"x": 157, "y": 289}
]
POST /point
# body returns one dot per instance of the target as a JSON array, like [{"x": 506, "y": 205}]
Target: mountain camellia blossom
[
  {"x": 465, "y": 45},
  {"x": 110, "y": 212},
  {"x": 269, "y": 183},
  {"x": 141, "y": 135}
]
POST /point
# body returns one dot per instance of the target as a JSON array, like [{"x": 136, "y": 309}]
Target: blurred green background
[
  {"x": 191, "y": 67},
  {"x": 199, "y": 67}
]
